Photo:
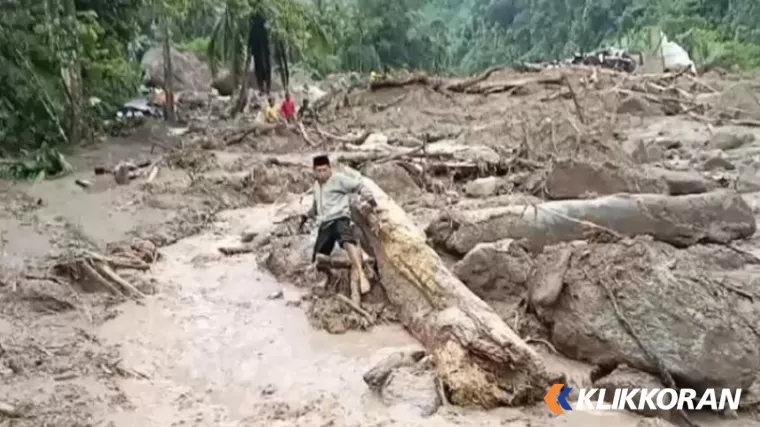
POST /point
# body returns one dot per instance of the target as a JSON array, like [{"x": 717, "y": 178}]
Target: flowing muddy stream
[{"x": 220, "y": 351}]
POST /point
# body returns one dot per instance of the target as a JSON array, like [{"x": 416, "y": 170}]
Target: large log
[
  {"x": 479, "y": 360},
  {"x": 717, "y": 217}
]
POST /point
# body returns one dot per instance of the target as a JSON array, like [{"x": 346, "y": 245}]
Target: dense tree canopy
[{"x": 55, "y": 55}]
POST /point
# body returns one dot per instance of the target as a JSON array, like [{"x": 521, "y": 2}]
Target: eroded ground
[{"x": 219, "y": 341}]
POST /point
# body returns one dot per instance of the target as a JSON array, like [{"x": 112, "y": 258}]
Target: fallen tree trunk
[
  {"x": 479, "y": 359},
  {"x": 717, "y": 217}
]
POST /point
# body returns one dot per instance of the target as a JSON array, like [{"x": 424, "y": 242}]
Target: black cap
[{"x": 321, "y": 160}]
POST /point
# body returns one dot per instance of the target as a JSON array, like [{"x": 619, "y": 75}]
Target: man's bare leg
[
  {"x": 356, "y": 296},
  {"x": 357, "y": 272}
]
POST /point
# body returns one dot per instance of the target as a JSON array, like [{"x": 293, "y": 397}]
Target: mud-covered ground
[{"x": 217, "y": 340}]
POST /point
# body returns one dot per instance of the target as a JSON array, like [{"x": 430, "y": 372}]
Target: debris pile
[
  {"x": 94, "y": 272},
  {"x": 611, "y": 59}
]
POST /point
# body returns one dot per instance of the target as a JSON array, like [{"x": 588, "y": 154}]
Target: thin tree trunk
[
  {"x": 168, "y": 71},
  {"x": 71, "y": 73},
  {"x": 242, "y": 99}
]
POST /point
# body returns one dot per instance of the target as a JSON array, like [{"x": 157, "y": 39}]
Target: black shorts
[{"x": 339, "y": 231}]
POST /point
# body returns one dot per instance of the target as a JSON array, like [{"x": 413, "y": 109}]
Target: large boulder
[
  {"x": 394, "y": 180},
  {"x": 641, "y": 302},
  {"x": 507, "y": 281},
  {"x": 682, "y": 182},
  {"x": 224, "y": 85},
  {"x": 190, "y": 73}
]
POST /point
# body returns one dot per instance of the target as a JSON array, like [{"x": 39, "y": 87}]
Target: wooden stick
[
  {"x": 236, "y": 250},
  {"x": 338, "y": 262},
  {"x": 106, "y": 271},
  {"x": 355, "y": 307}
]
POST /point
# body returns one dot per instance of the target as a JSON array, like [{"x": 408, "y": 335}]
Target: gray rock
[
  {"x": 413, "y": 387},
  {"x": 717, "y": 162},
  {"x": 484, "y": 187},
  {"x": 729, "y": 140},
  {"x": 508, "y": 280},
  {"x": 571, "y": 179},
  {"x": 682, "y": 182}
]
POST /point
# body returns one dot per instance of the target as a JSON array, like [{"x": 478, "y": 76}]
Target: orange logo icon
[{"x": 556, "y": 399}]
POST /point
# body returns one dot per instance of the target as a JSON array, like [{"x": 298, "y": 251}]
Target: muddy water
[{"x": 214, "y": 337}]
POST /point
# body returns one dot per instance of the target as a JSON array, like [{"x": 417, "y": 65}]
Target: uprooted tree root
[{"x": 96, "y": 272}]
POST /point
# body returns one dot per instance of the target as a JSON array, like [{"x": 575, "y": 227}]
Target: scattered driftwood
[
  {"x": 96, "y": 272},
  {"x": 357, "y": 139},
  {"x": 719, "y": 217},
  {"x": 126, "y": 171},
  {"x": 438, "y": 158},
  {"x": 479, "y": 359},
  {"x": 305, "y": 135},
  {"x": 467, "y": 83},
  {"x": 386, "y": 82},
  {"x": 83, "y": 183},
  {"x": 376, "y": 108},
  {"x": 258, "y": 128},
  {"x": 354, "y": 306},
  {"x": 473, "y": 85},
  {"x": 514, "y": 84},
  {"x": 236, "y": 250}
]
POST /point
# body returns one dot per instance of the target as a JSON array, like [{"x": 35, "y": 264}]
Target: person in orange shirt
[{"x": 288, "y": 108}]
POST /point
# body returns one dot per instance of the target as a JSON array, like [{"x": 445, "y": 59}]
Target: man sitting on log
[{"x": 332, "y": 213}]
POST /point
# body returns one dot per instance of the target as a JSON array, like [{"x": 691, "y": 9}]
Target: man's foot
[
  {"x": 322, "y": 284},
  {"x": 364, "y": 284}
]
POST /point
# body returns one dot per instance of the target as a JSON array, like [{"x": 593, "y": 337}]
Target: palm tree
[{"x": 292, "y": 25}]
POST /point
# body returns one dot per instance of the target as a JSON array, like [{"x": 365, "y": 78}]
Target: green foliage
[
  {"x": 42, "y": 163},
  {"x": 43, "y": 44},
  {"x": 469, "y": 35},
  {"x": 197, "y": 46},
  {"x": 40, "y": 45}
]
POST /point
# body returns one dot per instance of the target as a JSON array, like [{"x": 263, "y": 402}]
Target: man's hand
[{"x": 304, "y": 220}]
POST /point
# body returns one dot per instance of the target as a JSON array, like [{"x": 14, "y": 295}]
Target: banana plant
[{"x": 292, "y": 25}]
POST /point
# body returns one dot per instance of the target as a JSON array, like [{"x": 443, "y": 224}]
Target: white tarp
[{"x": 674, "y": 57}]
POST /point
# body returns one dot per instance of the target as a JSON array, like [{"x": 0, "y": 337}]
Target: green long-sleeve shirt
[{"x": 331, "y": 199}]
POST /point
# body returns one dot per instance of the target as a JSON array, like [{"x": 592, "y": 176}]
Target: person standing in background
[
  {"x": 288, "y": 108},
  {"x": 271, "y": 113},
  {"x": 306, "y": 114}
]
